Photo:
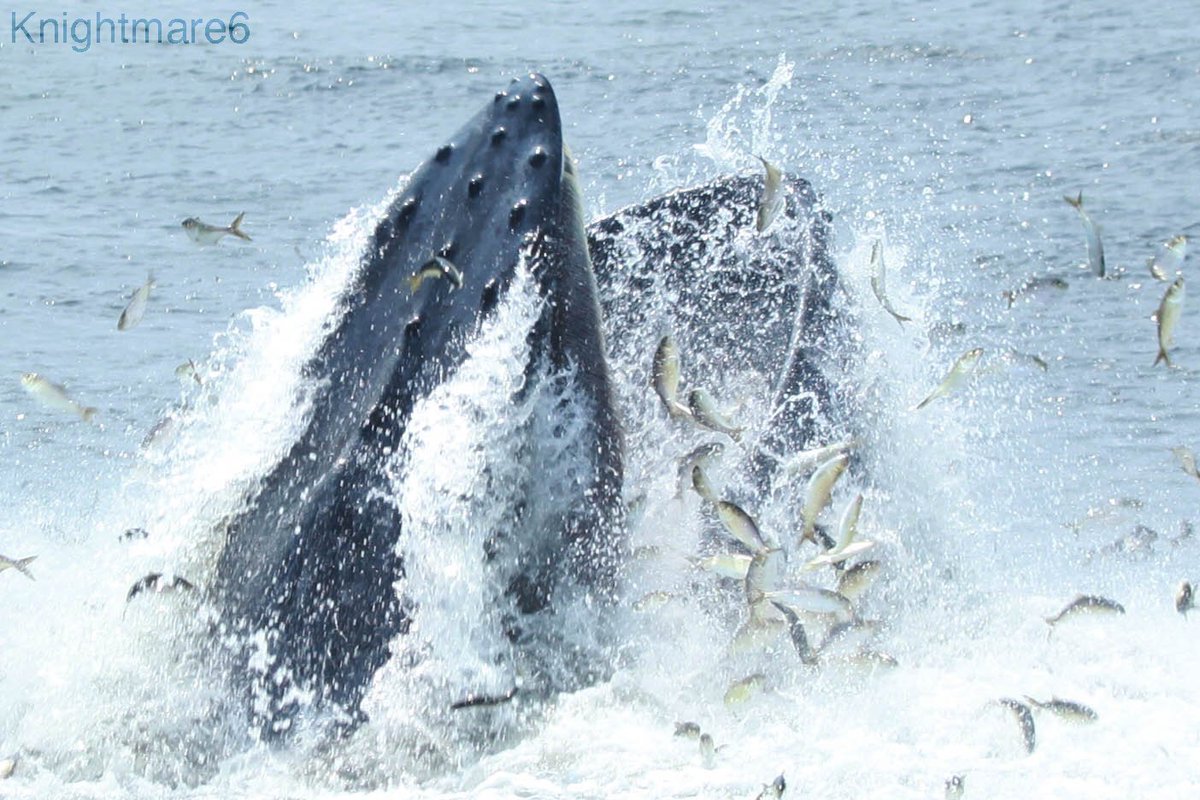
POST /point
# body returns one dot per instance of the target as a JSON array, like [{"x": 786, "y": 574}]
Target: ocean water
[{"x": 951, "y": 133}]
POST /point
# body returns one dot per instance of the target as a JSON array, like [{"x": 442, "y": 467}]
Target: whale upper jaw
[{"x": 310, "y": 568}]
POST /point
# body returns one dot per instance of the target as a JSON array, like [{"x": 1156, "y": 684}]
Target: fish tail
[
  {"x": 22, "y": 566},
  {"x": 236, "y": 228},
  {"x": 1162, "y": 356},
  {"x": 87, "y": 413},
  {"x": 900, "y": 318},
  {"x": 1076, "y": 202}
]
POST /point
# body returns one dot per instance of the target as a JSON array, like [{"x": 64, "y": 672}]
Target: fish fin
[
  {"x": 236, "y": 228},
  {"x": 900, "y": 318},
  {"x": 1162, "y": 356},
  {"x": 925, "y": 402},
  {"x": 21, "y": 565},
  {"x": 88, "y": 413},
  {"x": 122, "y": 324},
  {"x": 1076, "y": 202}
]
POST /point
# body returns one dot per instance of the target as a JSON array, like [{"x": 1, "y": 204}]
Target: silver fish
[
  {"x": 809, "y": 460},
  {"x": 1168, "y": 261},
  {"x": 741, "y": 691},
  {"x": 1167, "y": 318},
  {"x": 704, "y": 411},
  {"x": 773, "y": 790},
  {"x": 1185, "y": 598},
  {"x": 702, "y": 484},
  {"x": 1094, "y": 247},
  {"x": 959, "y": 374},
  {"x": 811, "y": 600},
  {"x": 878, "y": 285},
  {"x": 1024, "y": 719},
  {"x": 652, "y": 600},
  {"x": 741, "y": 526},
  {"x": 1086, "y": 604},
  {"x": 1187, "y": 460},
  {"x": 1067, "y": 709},
  {"x": 847, "y": 638},
  {"x": 159, "y": 583},
  {"x": 54, "y": 395},
  {"x": 726, "y": 565},
  {"x": 188, "y": 370},
  {"x": 708, "y": 751},
  {"x": 687, "y": 730},
  {"x": 772, "y": 200},
  {"x": 853, "y": 582},
  {"x": 664, "y": 376},
  {"x": 700, "y": 456},
  {"x": 133, "y": 312},
  {"x": 436, "y": 267},
  {"x": 1033, "y": 285},
  {"x": 798, "y": 636},
  {"x": 819, "y": 490},
  {"x": 21, "y": 565},
  {"x": 203, "y": 233},
  {"x": 7, "y": 767}
]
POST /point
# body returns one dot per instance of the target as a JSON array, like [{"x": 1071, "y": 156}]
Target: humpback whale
[{"x": 314, "y": 585}]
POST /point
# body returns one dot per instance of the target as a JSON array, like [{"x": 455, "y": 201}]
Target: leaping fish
[
  {"x": 133, "y": 312},
  {"x": 203, "y": 233},
  {"x": 1168, "y": 261},
  {"x": 772, "y": 201},
  {"x": 21, "y": 565},
  {"x": 1167, "y": 318},
  {"x": 878, "y": 283},
  {"x": 1024, "y": 719},
  {"x": 1094, "y": 247},
  {"x": 1086, "y": 604},
  {"x": 959, "y": 374},
  {"x": 704, "y": 411},
  {"x": 664, "y": 375},
  {"x": 818, "y": 491},
  {"x": 436, "y": 267},
  {"x": 54, "y": 395}
]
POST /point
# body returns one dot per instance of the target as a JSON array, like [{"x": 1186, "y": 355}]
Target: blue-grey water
[{"x": 951, "y": 131}]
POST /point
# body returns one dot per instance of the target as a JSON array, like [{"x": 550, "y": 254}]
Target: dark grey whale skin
[{"x": 311, "y": 561}]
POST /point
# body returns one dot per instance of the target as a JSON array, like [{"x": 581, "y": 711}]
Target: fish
[
  {"x": 54, "y": 395},
  {"x": 1032, "y": 285},
  {"x": 664, "y": 376},
  {"x": 878, "y": 277},
  {"x": 708, "y": 751},
  {"x": 955, "y": 786},
  {"x": 21, "y": 565},
  {"x": 132, "y": 534},
  {"x": 1167, "y": 318},
  {"x": 484, "y": 700},
  {"x": 702, "y": 484},
  {"x": 846, "y": 546},
  {"x": 1094, "y": 247},
  {"x": 1187, "y": 460},
  {"x": 1168, "y": 261},
  {"x": 773, "y": 790},
  {"x": 809, "y": 460},
  {"x": 817, "y": 493},
  {"x": 1086, "y": 604},
  {"x": 704, "y": 411},
  {"x": 699, "y": 456},
  {"x": 203, "y": 233},
  {"x": 726, "y": 565},
  {"x": 799, "y": 637},
  {"x": 188, "y": 370},
  {"x": 741, "y": 526},
  {"x": 853, "y": 582},
  {"x": 1024, "y": 719},
  {"x": 772, "y": 200},
  {"x": 812, "y": 600},
  {"x": 959, "y": 374},
  {"x": 436, "y": 267},
  {"x": 757, "y": 633},
  {"x": 1185, "y": 599},
  {"x": 847, "y": 638},
  {"x": 157, "y": 582},
  {"x": 762, "y": 577},
  {"x": 871, "y": 660},
  {"x": 741, "y": 691},
  {"x": 687, "y": 730},
  {"x": 133, "y": 312},
  {"x": 7, "y": 767},
  {"x": 1067, "y": 709}
]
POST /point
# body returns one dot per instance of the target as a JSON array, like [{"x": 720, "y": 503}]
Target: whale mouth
[{"x": 314, "y": 579}]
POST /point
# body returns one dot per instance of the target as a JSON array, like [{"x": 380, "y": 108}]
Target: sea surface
[{"x": 950, "y": 132}]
